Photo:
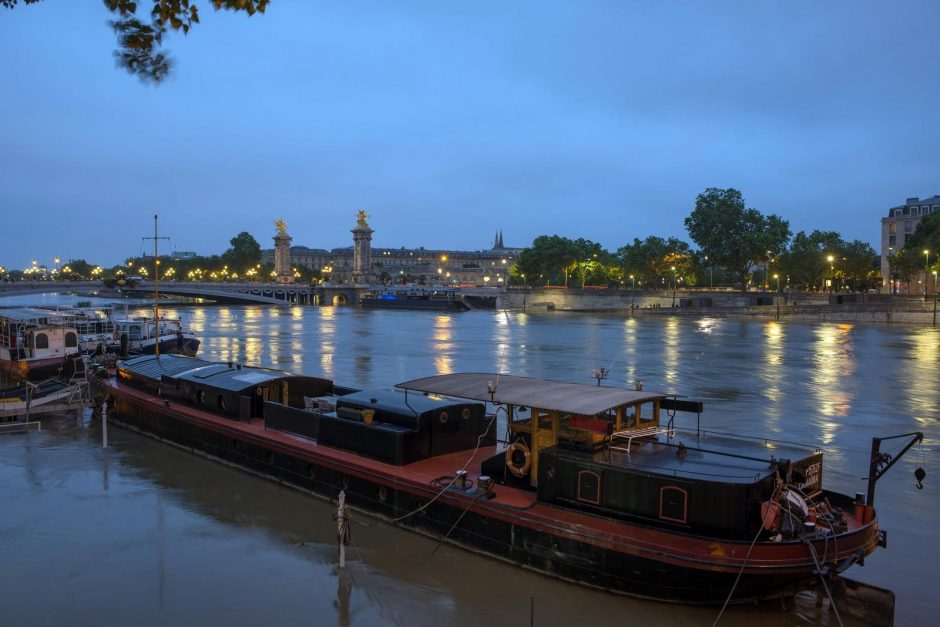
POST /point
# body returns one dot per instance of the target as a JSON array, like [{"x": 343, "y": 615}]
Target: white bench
[{"x": 630, "y": 434}]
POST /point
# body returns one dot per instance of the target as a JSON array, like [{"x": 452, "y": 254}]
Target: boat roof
[
  {"x": 209, "y": 373},
  {"x": 560, "y": 396},
  {"x": 25, "y": 314}
]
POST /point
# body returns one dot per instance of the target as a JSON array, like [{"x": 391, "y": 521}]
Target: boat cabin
[{"x": 605, "y": 451}]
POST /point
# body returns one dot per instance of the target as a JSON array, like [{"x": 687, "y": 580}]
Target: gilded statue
[
  {"x": 361, "y": 218},
  {"x": 281, "y": 226}
]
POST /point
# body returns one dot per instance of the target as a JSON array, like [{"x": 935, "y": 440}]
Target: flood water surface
[{"x": 148, "y": 534}]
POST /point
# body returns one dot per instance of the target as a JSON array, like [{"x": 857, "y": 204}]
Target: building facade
[
  {"x": 897, "y": 228},
  {"x": 483, "y": 268}
]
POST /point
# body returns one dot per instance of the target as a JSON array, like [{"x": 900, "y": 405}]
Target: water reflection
[
  {"x": 772, "y": 372},
  {"x": 443, "y": 345},
  {"x": 327, "y": 339},
  {"x": 671, "y": 351},
  {"x": 834, "y": 366}
]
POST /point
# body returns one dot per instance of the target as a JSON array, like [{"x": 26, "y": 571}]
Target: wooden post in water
[
  {"x": 340, "y": 528},
  {"x": 104, "y": 425}
]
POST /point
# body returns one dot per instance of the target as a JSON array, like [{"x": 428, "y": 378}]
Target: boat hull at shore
[{"x": 511, "y": 525}]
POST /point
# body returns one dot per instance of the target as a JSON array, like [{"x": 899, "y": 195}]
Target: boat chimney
[
  {"x": 460, "y": 480},
  {"x": 639, "y": 385},
  {"x": 231, "y": 365}
]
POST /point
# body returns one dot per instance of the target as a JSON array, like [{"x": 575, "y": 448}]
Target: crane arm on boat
[{"x": 880, "y": 463}]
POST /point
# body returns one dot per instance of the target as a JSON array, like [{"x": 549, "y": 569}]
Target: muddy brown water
[{"x": 143, "y": 533}]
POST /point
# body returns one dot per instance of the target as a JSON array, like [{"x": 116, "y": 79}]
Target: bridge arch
[{"x": 339, "y": 300}]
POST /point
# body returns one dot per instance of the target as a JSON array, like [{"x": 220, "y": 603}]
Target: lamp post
[
  {"x": 926, "y": 263},
  {"x": 777, "y": 278},
  {"x": 934, "y": 298},
  {"x": 831, "y": 284},
  {"x": 525, "y": 285},
  {"x": 632, "y": 290},
  {"x": 710, "y": 282},
  {"x": 57, "y": 267},
  {"x": 673, "y": 287}
]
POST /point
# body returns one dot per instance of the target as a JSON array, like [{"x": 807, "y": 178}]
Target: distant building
[
  {"x": 411, "y": 265},
  {"x": 897, "y": 228},
  {"x": 184, "y": 254}
]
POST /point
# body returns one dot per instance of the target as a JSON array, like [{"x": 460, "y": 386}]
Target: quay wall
[{"x": 876, "y": 309}]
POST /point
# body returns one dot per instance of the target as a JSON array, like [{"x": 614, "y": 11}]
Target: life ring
[{"x": 513, "y": 453}]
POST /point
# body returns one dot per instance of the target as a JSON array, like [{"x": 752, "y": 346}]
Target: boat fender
[{"x": 518, "y": 458}]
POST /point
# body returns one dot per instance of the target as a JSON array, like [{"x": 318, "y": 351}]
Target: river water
[{"x": 147, "y": 534}]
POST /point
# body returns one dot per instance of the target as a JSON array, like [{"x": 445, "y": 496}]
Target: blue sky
[{"x": 446, "y": 121}]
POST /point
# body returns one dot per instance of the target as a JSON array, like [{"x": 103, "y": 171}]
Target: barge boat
[{"x": 587, "y": 483}]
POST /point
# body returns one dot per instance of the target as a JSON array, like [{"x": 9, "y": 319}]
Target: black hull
[
  {"x": 172, "y": 346},
  {"x": 541, "y": 551}
]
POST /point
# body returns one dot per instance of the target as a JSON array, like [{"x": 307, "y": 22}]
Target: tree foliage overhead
[
  {"x": 733, "y": 236},
  {"x": 926, "y": 236},
  {"x": 140, "y": 39}
]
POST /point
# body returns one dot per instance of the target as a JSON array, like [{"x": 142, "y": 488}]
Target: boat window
[
  {"x": 220, "y": 401},
  {"x": 41, "y": 340},
  {"x": 589, "y": 487},
  {"x": 673, "y": 504},
  {"x": 71, "y": 340}
]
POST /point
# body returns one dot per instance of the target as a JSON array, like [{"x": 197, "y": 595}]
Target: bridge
[{"x": 263, "y": 293}]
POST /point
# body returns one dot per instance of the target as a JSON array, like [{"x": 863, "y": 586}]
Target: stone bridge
[{"x": 266, "y": 293}]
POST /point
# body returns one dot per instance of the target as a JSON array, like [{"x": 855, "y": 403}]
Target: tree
[
  {"x": 245, "y": 252},
  {"x": 806, "y": 261},
  {"x": 549, "y": 258},
  {"x": 653, "y": 258},
  {"x": 139, "y": 41},
  {"x": 733, "y": 236}
]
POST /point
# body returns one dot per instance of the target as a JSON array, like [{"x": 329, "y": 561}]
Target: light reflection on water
[{"x": 830, "y": 383}]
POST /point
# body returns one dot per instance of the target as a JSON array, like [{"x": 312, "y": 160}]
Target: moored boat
[
  {"x": 144, "y": 337},
  {"x": 435, "y": 299},
  {"x": 33, "y": 345},
  {"x": 586, "y": 483}
]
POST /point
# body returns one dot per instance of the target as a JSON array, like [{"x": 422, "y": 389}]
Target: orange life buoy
[{"x": 516, "y": 449}]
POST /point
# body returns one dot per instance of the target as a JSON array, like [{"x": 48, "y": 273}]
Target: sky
[{"x": 448, "y": 121}]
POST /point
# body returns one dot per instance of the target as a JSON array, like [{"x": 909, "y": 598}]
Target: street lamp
[
  {"x": 934, "y": 298},
  {"x": 673, "y": 287},
  {"x": 926, "y": 262},
  {"x": 710, "y": 282},
  {"x": 632, "y": 290},
  {"x": 777, "y": 277},
  {"x": 524, "y": 285},
  {"x": 831, "y": 283}
]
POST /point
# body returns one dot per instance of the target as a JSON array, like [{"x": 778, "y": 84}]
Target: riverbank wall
[{"x": 856, "y": 308}]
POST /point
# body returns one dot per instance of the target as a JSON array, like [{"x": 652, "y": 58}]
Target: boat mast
[{"x": 156, "y": 292}]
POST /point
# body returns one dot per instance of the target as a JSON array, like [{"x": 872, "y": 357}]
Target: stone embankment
[{"x": 871, "y": 308}]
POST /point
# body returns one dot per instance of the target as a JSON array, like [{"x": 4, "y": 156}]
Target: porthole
[
  {"x": 311, "y": 471},
  {"x": 550, "y": 471},
  {"x": 270, "y": 457},
  {"x": 344, "y": 481},
  {"x": 383, "y": 493},
  {"x": 465, "y": 413},
  {"x": 442, "y": 417},
  {"x": 220, "y": 401},
  {"x": 201, "y": 397}
]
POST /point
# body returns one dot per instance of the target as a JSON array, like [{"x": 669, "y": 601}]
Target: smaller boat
[
  {"x": 436, "y": 299},
  {"x": 143, "y": 336},
  {"x": 34, "y": 345},
  {"x": 67, "y": 391}
]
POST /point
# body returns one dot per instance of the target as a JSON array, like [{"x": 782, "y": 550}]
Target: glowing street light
[{"x": 831, "y": 282}]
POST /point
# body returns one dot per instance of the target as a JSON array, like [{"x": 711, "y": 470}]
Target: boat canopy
[{"x": 557, "y": 396}]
